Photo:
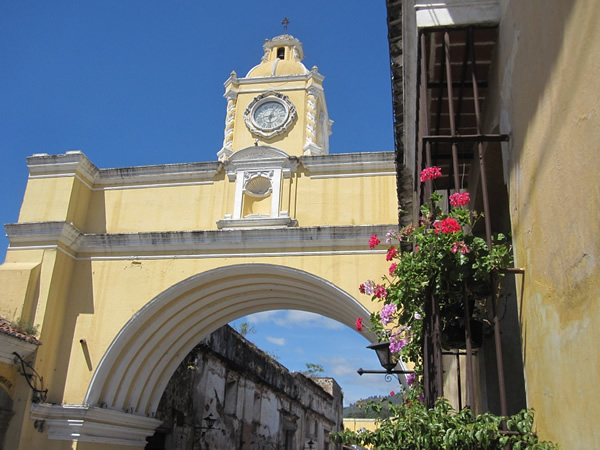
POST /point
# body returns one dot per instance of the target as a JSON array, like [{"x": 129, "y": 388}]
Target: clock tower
[{"x": 279, "y": 104}]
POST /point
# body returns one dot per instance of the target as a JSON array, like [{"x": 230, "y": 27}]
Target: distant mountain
[{"x": 356, "y": 410}]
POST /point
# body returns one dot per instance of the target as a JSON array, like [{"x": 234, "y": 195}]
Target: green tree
[{"x": 313, "y": 370}]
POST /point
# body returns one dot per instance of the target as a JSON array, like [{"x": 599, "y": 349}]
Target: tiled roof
[{"x": 9, "y": 329}]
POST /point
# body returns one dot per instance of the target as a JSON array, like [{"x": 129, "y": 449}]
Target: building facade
[
  {"x": 126, "y": 270},
  {"x": 523, "y": 119}
]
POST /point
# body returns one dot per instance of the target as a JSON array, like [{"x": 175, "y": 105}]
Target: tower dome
[{"x": 283, "y": 56}]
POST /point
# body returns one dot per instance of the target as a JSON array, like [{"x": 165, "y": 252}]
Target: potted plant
[{"x": 439, "y": 256}]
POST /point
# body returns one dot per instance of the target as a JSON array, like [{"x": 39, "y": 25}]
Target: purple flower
[
  {"x": 368, "y": 287},
  {"x": 397, "y": 342},
  {"x": 387, "y": 313}
]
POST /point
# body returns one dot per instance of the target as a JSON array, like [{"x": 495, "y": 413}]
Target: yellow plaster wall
[
  {"x": 19, "y": 282},
  {"x": 46, "y": 199},
  {"x": 359, "y": 424},
  {"x": 553, "y": 108},
  {"x": 346, "y": 201},
  {"x": 104, "y": 295},
  {"x": 313, "y": 201},
  {"x": 172, "y": 208}
]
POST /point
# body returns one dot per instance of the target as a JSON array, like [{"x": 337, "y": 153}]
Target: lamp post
[{"x": 385, "y": 359}]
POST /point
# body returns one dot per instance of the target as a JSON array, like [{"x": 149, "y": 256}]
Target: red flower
[
  {"x": 359, "y": 324},
  {"x": 392, "y": 394},
  {"x": 374, "y": 242},
  {"x": 391, "y": 253},
  {"x": 393, "y": 268},
  {"x": 448, "y": 225},
  {"x": 380, "y": 291},
  {"x": 459, "y": 199},
  {"x": 430, "y": 173}
]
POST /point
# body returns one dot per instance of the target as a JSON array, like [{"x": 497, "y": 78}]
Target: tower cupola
[
  {"x": 283, "y": 56},
  {"x": 278, "y": 104}
]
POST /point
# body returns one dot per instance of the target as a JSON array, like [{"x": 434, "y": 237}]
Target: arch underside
[{"x": 137, "y": 366}]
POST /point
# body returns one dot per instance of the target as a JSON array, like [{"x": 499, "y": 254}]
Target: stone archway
[{"x": 140, "y": 361}]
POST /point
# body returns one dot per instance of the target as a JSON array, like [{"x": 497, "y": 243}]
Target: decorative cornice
[
  {"x": 260, "y": 157},
  {"x": 350, "y": 162},
  {"x": 76, "y": 164},
  {"x": 264, "y": 238},
  {"x": 71, "y": 163},
  {"x": 43, "y": 234},
  {"x": 274, "y": 79},
  {"x": 162, "y": 173},
  {"x": 93, "y": 424}
]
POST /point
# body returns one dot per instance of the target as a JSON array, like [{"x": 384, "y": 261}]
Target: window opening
[{"x": 281, "y": 52}]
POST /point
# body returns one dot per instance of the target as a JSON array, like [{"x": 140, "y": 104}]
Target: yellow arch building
[{"x": 126, "y": 270}]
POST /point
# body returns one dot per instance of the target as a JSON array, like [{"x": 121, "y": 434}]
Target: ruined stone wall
[{"x": 257, "y": 403}]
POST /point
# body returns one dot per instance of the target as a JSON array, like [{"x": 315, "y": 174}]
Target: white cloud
[
  {"x": 340, "y": 366},
  {"x": 276, "y": 341},
  {"x": 261, "y": 317},
  {"x": 303, "y": 319}
]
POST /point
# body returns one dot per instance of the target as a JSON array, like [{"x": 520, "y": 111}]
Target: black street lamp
[{"x": 385, "y": 359}]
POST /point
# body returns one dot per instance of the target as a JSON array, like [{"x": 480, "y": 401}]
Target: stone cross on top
[{"x": 285, "y": 22}]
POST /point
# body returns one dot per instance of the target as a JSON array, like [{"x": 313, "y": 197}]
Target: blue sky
[{"x": 137, "y": 82}]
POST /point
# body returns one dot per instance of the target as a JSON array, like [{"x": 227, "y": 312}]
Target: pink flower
[
  {"x": 359, "y": 324},
  {"x": 380, "y": 291},
  {"x": 387, "y": 313},
  {"x": 368, "y": 287},
  {"x": 374, "y": 242},
  {"x": 392, "y": 269},
  {"x": 460, "y": 246},
  {"x": 391, "y": 253},
  {"x": 430, "y": 173},
  {"x": 459, "y": 199},
  {"x": 392, "y": 393},
  {"x": 448, "y": 225},
  {"x": 416, "y": 248}
]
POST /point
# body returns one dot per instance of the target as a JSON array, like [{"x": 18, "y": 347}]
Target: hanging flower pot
[{"x": 453, "y": 334}]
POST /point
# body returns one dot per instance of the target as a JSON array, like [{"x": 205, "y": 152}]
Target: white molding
[
  {"x": 72, "y": 162},
  {"x": 10, "y": 344},
  {"x": 76, "y": 164},
  {"x": 257, "y": 222},
  {"x": 260, "y": 237},
  {"x": 350, "y": 162},
  {"x": 33, "y": 234},
  {"x": 355, "y": 175},
  {"x": 92, "y": 424},
  {"x": 312, "y": 149},
  {"x": 279, "y": 79},
  {"x": 224, "y": 154},
  {"x": 456, "y": 13}
]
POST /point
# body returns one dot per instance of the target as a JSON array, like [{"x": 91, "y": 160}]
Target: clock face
[{"x": 270, "y": 115}]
